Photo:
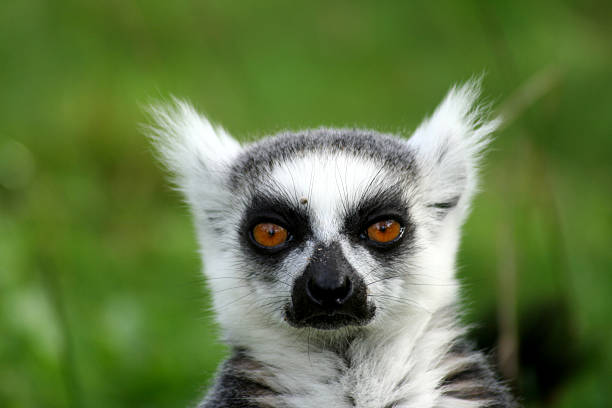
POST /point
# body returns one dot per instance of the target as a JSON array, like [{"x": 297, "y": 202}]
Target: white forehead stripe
[{"x": 327, "y": 183}]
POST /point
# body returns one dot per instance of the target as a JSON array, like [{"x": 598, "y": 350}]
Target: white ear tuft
[
  {"x": 193, "y": 149},
  {"x": 448, "y": 146}
]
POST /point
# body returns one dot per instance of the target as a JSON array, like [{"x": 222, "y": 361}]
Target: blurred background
[{"x": 102, "y": 303}]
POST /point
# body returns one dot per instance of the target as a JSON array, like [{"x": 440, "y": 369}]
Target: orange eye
[
  {"x": 269, "y": 235},
  {"x": 384, "y": 231}
]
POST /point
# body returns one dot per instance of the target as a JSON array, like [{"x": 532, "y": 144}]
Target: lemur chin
[{"x": 330, "y": 254}]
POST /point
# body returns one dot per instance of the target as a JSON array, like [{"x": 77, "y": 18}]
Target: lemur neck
[{"x": 362, "y": 369}]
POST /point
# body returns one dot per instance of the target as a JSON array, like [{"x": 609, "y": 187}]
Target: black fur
[
  {"x": 379, "y": 204},
  {"x": 237, "y": 385},
  {"x": 475, "y": 380},
  {"x": 331, "y": 272}
]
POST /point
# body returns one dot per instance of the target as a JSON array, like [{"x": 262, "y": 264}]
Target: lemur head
[{"x": 328, "y": 228}]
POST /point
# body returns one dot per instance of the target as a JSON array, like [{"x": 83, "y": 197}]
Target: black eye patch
[
  {"x": 379, "y": 205},
  {"x": 268, "y": 208}
]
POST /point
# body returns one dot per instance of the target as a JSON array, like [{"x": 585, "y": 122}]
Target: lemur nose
[{"x": 330, "y": 294}]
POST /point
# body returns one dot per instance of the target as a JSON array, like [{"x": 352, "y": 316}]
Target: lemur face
[
  {"x": 328, "y": 228},
  {"x": 328, "y": 233}
]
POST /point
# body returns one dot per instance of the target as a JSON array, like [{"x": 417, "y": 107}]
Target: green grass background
[{"x": 101, "y": 299}]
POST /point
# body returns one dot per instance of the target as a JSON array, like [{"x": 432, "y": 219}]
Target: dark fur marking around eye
[
  {"x": 377, "y": 205},
  {"x": 280, "y": 210}
]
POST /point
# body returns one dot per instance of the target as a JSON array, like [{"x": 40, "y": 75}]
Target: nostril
[
  {"x": 314, "y": 291},
  {"x": 333, "y": 295},
  {"x": 342, "y": 293}
]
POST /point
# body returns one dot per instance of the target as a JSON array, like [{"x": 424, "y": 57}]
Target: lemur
[{"x": 330, "y": 255}]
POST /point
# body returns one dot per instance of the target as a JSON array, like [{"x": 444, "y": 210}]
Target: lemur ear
[
  {"x": 448, "y": 147},
  {"x": 196, "y": 152}
]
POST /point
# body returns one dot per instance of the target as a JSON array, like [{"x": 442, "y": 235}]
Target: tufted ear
[
  {"x": 448, "y": 147},
  {"x": 196, "y": 152}
]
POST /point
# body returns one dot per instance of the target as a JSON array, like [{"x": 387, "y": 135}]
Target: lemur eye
[
  {"x": 385, "y": 231},
  {"x": 269, "y": 235}
]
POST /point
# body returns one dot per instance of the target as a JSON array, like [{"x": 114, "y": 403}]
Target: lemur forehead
[{"x": 263, "y": 156}]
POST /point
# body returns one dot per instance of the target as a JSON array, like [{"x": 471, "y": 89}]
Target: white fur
[
  {"x": 459, "y": 128},
  {"x": 195, "y": 151},
  {"x": 404, "y": 344}
]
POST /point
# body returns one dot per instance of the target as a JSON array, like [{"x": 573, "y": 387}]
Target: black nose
[{"x": 330, "y": 294}]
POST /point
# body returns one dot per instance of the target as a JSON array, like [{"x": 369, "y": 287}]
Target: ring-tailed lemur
[{"x": 330, "y": 254}]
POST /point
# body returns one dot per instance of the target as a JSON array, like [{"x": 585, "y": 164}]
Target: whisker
[{"x": 401, "y": 300}]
